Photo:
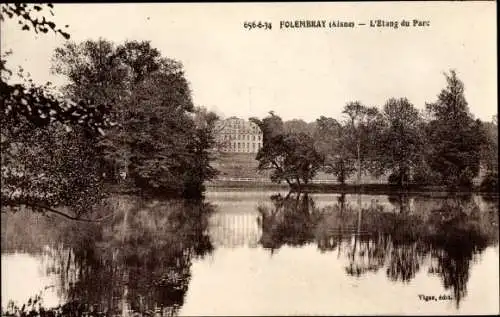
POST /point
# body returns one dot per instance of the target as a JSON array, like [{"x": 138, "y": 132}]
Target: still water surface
[{"x": 261, "y": 253}]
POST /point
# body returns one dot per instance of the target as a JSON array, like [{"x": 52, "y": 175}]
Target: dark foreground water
[{"x": 259, "y": 253}]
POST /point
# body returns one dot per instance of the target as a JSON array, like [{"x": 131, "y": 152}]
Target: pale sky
[{"x": 298, "y": 73}]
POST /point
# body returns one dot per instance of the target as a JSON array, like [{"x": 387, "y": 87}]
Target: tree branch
[{"x": 57, "y": 212}]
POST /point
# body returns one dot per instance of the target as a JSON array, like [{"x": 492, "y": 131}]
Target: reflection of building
[
  {"x": 238, "y": 135},
  {"x": 232, "y": 229}
]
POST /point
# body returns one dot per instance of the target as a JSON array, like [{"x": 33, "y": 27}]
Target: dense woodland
[{"x": 125, "y": 120}]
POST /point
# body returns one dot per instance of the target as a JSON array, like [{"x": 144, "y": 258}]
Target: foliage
[
  {"x": 333, "y": 143},
  {"x": 40, "y": 107},
  {"x": 141, "y": 256},
  {"x": 43, "y": 165},
  {"x": 449, "y": 235},
  {"x": 26, "y": 15},
  {"x": 47, "y": 168},
  {"x": 161, "y": 145},
  {"x": 362, "y": 127},
  {"x": 270, "y": 126},
  {"x": 489, "y": 151},
  {"x": 298, "y": 216},
  {"x": 400, "y": 146},
  {"x": 299, "y": 126},
  {"x": 291, "y": 157},
  {"x": 454, "y": 136},
  {"x": 201, "y": 146}
]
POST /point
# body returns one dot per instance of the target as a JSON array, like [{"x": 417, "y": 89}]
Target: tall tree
[
  {"x": 333, "y": 143},
  {"x": 362, "y": 124},
  {"x": 159, "y": 145},
  {"x": 401, "y": 143},
  {"x": 455, "y": 137},
  {"x": 202, "y": 146}
]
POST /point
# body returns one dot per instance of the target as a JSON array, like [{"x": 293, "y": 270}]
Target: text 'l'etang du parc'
[{"x": 375, "y": 23}]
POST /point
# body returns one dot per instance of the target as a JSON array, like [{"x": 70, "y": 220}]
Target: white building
[{"x": 238, "y": 136}]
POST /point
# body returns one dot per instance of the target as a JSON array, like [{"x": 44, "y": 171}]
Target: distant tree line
[
  {"x": 125, "y": 120},
  {"x": 443, "y": 145}
]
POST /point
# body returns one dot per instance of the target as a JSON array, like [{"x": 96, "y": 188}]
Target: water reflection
[
  {"x": 451, "y": 233},
  {"x": 146, "y": 259},
  {"x": 137, "y": 262}
]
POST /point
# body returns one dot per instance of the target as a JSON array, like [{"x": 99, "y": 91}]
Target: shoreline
[{"x": 381, "y": 189}]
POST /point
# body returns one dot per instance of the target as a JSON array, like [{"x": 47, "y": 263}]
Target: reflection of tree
[
  {"x": 373, "y": 238},
  {"x": 289, "y": 222},
  {"x": 139, "y": 261},
  {"x": 404, "y": 262},
  {"x": 401, "y": 201},
  {"x": 456, "y": 241}
]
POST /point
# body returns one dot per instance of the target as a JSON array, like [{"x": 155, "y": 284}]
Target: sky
[{"x": 298, "y": 73}]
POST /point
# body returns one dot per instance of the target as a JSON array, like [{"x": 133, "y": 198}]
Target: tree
[
  {"x": 362, "y": 126},
  {"x": 489, "y": 156},
  {"x": 292, "y": 158},
  {"x": 37, "y": 103},
  {"x": 270, "y": 126},
  {"x": 162, "y": 144},
  {"x": 402, "y": 141},
  {"x": 454, "y": 136},
  {"x": 158, "y": 130},
  {"x": 298, "y": 126},
  {"x": 489, "y": 152},
  {"x": 95, "y": 71},
  {"x": 201, "y": 146},
  {"x": 332, "y": 142},
  {"x": 45, "y": 138}
]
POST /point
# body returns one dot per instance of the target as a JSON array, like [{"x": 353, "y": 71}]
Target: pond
[{"x": 252, "y": 252}]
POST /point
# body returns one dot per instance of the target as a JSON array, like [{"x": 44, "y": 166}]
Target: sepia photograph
[{"x": 249, "y": 159}]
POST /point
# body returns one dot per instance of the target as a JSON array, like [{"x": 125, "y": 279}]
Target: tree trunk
[
  {"x": 342, "y": 173},
  {"x": 298, "y": 184}
]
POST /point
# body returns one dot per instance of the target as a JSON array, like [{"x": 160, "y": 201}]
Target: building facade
[{"x": 238, "y": 136}]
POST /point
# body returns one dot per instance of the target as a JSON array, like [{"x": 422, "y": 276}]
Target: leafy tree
[
  {"x": 158, "y": 131},
  {"x": 402, "y": 140},
  {"x": 362, "y": 126},
  {"x": 489, "y": 152},
  {"x": 489, "y": 156},
  {"x": 454, "y": 136},
  {"x": 270, "y": 126},
  {"x": 43, "y": 165},
  {"x": 201, "y": 147},
  {"x": 292, "y": 158},
  {"x": 94, "y": 71},
  {"x": 161, "y": 145},
  {"x": 298, "y": 126},
  {"x": 332, "y": 142}
]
